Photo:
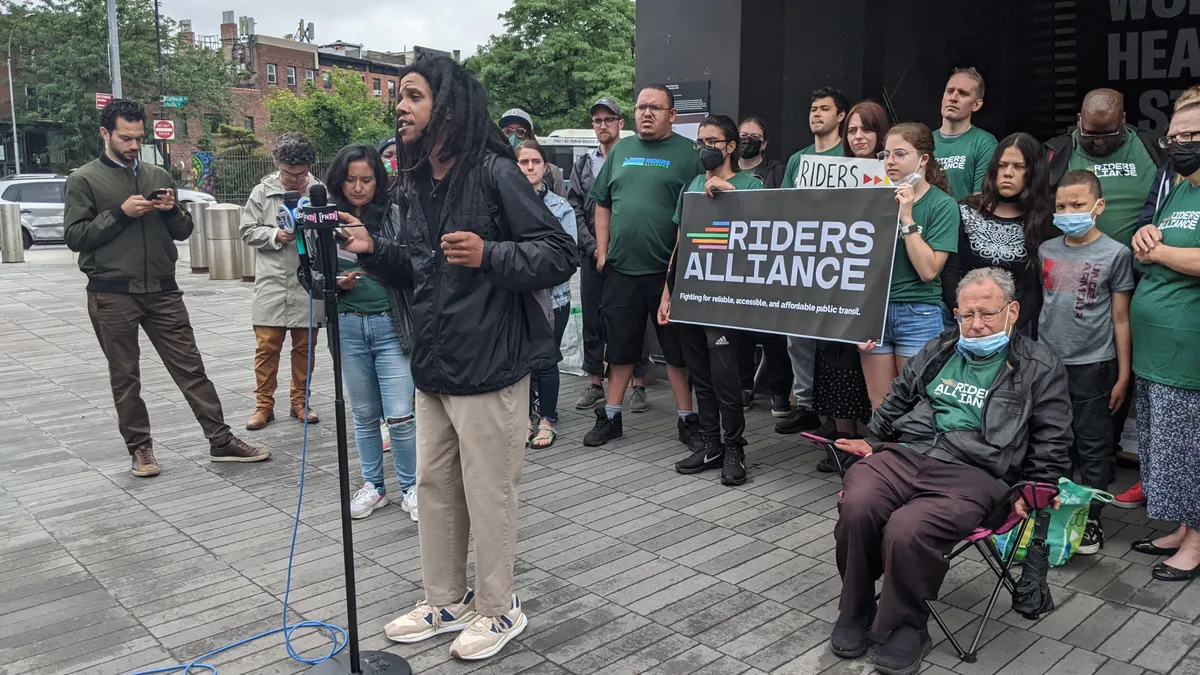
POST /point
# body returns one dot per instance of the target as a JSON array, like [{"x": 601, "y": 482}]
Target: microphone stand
[{"x": 376, "y": 662}]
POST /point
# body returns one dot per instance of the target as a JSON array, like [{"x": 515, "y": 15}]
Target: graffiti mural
[{"x": 202, "y": 172}]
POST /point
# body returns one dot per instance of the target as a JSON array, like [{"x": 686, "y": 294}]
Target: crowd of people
[{"x": 1037, "y": 291}]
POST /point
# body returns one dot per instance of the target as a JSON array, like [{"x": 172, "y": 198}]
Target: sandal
[{"x": 545, "y": 433}]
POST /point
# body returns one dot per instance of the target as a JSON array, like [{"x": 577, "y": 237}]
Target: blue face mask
[
  {"x": 1074, "y": 224},
  {"x": 983, "y": 347}
]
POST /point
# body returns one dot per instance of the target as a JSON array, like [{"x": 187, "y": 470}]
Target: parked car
[{"x": 40, "y": 196}]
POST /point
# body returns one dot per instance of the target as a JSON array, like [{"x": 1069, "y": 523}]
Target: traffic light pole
[{"x": 163, "y": 146}]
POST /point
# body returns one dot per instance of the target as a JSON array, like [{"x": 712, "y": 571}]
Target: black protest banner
[{"x": 812, "y": 263}]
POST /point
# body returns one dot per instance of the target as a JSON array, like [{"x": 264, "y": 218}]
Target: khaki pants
[
  {"x": 470, "y": 451},
  {"x": 117, "y": 317},
  {"x": 268, "y": 346}
]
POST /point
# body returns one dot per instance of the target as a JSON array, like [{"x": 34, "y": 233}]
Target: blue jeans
[
  {"x": 544, "y": 383},
  {"x": 909, "y": 326},
  {"x": 378, "y": 380}
]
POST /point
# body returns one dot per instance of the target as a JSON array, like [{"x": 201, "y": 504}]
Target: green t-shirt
[
  {"x": 960, "y": 389},
  {"x": 965, "y": 159},
  {"x": 1164, "y": 315},
  {"x": 793, "y": 165},
  {"x": 367, "y": 297},
  {"x": 1125, "y": 176},
  {"x": 742, "y": 180},
  {"x": 640, "y": 182},
  {"x": 937, "y": 215}
]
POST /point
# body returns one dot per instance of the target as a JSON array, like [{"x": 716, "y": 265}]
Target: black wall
[{"x": 1038, "y": 57}]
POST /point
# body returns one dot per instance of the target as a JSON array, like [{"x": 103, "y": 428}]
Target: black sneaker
[
  {"x": 747, "y": 399},
  {"x": 1093, "y": 538},
  {"x": 799, "y": 420},
  {"x": 901, "y": 654},
  {"x": 848, "y": 642},
  {"x": 605, "y": 429},
  {"x": 709, "y": 456},
  {"x": 689, "y": 432},
  {"x": 781, "y": 405},
  {"x": 734, "y": 470}
]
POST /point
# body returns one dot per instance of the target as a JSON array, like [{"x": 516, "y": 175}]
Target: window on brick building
[
  {"x": 392, "y": 89},
  {"x": 375, "y": 86},
  {"x": 309, "y": 75},
  {"x": 271, "y": 78},
  {"x": 248, "y": 123},
  {"x": 181, "y": 125},
  {"x": 291, "y": 76},
  {"x": 212, "y": 123},
  {"x": 325, "y": 80}
]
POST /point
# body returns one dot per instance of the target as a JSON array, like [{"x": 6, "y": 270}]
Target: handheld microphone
[
  {"x": 318, "y": 214},
  {"x": 286, "y": 218}
]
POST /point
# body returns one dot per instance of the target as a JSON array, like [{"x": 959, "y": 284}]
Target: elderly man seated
[{"x": 974, "y": 407}]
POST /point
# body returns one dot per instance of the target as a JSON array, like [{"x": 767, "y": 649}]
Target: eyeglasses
[
  {"x": 1181, "y": 137},
  {"x": 988, "y": 316},
  {"x": 294, "y": 175},
  {"x": 651, "y": 110},
  {"x": 752, "y": 137},
  {"x": 1111, "y": 135},
  {"x": 900, "y": 154},
  {"x": 711, "y": 145},
  {"x": 604, "y": 121},
  {"x": 510, "y": 131}
]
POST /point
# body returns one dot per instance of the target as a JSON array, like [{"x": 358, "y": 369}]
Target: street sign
[
  {"x": 173, "y": 101},
  {"x": 164, "y": 130},
  {"x": 102, "y": 100}
]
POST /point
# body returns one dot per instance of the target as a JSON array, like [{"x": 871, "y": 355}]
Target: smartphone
[
  {"x": 159, "y": 194},
  {"x": 337, "y": 234}
]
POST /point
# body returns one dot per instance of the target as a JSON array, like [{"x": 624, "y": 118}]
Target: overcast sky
[{"x": 391, "y": 25}]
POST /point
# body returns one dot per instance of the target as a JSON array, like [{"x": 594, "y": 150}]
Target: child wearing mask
[{"x": 1087, "y": 285}]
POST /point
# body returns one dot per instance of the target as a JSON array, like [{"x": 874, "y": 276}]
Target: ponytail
[{"x": 936, "y": 175}]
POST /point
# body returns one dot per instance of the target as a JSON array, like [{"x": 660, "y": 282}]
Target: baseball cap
[
  {"x": 516, "y": 115},
  {"x": 607, "y": 102}
]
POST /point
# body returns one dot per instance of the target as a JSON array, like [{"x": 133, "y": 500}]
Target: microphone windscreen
[{"x": 317, "y": 195}]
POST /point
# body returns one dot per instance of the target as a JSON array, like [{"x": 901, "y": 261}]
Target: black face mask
[
  {"x": 711, "y": 158},
  {"x": 751, "y": 148},
  {"x": 1185, "y": 157}
]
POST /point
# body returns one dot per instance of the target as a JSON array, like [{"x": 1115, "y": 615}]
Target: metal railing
[{"x": 235, "y": 177}]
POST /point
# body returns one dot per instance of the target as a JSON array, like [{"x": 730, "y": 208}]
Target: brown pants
[
  {"x": 900, "y": 513},
  {"x": 268, "y": 346},
  {"x": 470, "y": 451},
  {"x": 116, "y": 318}
]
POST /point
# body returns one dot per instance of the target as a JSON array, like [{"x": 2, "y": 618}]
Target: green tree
[
  {"x": 331, "y": 119},
  {"x": 61, "y": 48},
  {"x": 240, "y": 141},
  {"x": 556, "y": 57}
]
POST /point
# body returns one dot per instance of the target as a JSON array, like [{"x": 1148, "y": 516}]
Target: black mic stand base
[{"x": 373, "y": 663}]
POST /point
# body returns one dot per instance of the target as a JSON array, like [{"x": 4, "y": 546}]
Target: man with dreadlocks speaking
[{"x": 474, "y": 253}]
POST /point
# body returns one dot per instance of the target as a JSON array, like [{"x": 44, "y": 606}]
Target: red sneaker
[{"x": 1131, "y": 498}]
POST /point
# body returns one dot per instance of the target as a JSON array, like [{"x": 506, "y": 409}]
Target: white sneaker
[
  {"x": 408, "y": 503},
  {"x": 425, "y": 620},
  {"x": 366, "y": 500},
  {"x": 387, "y": 436},
  {"x": 487, "y": 635}
]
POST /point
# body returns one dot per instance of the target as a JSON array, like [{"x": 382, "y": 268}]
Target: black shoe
[
  {"x": 734, "y": 470},
  {"x": 1164, "y": 572},
  {"x": 781, "y": 406},
  {"x": 605, "y": 429},
  {"x": 689, "y": 432},
  {"x": 709, "y": 456},
  {"x": 848, "y": 642},
  {"x": 747, "y": 399},
  {"x": 1147, "y": 546},
  {"x": 1093, "y": 538},
  {"x": 799, "y": 420},
  {"x": 828, "y": 429},
  {"x": 901, "y": 654}
]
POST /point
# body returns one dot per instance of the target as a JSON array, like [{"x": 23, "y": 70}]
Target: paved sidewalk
[{"x": 624, "y": 566}]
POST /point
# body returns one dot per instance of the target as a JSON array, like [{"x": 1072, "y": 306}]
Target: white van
[{"x": 564, "y": 146}]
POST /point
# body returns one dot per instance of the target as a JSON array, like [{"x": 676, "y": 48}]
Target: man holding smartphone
[{"x": 122, "y": 219}]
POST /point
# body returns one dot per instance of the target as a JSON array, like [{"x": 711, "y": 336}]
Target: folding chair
[{"x": 1037, "y": 496}]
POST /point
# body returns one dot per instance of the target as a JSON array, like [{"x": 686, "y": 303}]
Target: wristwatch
[{"x": 910, "y": 229}]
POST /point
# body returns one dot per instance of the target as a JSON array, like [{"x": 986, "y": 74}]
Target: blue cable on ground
[{"x": 337, "y": 633}]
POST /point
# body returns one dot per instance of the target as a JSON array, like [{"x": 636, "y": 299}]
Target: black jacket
[
  {"x": 1059, "y": 149},
  {"x": 770, "y": 172},
  {"x": 476, "y": 330},
  {"x": 1164, "y": 180},
  {"x": 579, "y": 197},
  {"x": 1026, "y": 416}
]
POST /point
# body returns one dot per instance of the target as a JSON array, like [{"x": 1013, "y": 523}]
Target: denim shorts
[{"x": 909, "y": 327}]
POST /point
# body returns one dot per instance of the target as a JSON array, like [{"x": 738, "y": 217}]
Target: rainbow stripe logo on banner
[{"x": 715, "y": 237}]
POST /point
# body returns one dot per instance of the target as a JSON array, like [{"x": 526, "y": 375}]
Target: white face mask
[{"x": 912, "y": 178}]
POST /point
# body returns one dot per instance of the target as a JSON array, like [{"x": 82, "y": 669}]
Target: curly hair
[
  {"x": 122, "y": 108},
  {"x": 294, "y": 149},
  {"x": 460, "y": 110}
]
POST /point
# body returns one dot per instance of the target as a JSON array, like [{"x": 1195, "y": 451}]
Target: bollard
[
  {"x": 12, "y": 248},
  {"x": 247, "y": 262},
  {"x": 222, "y": 223},
  {"x": 198, "y": 242}
]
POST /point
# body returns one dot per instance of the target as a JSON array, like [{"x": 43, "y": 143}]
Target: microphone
[
  {"x": 286, "y": 218},
  {"x": 318, "y": 214}
]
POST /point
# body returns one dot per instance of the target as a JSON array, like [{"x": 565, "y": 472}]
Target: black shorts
[{"x": 629, "y": 302}]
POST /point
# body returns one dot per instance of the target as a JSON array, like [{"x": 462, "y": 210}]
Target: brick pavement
[{"x": 624, "y": 566}]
